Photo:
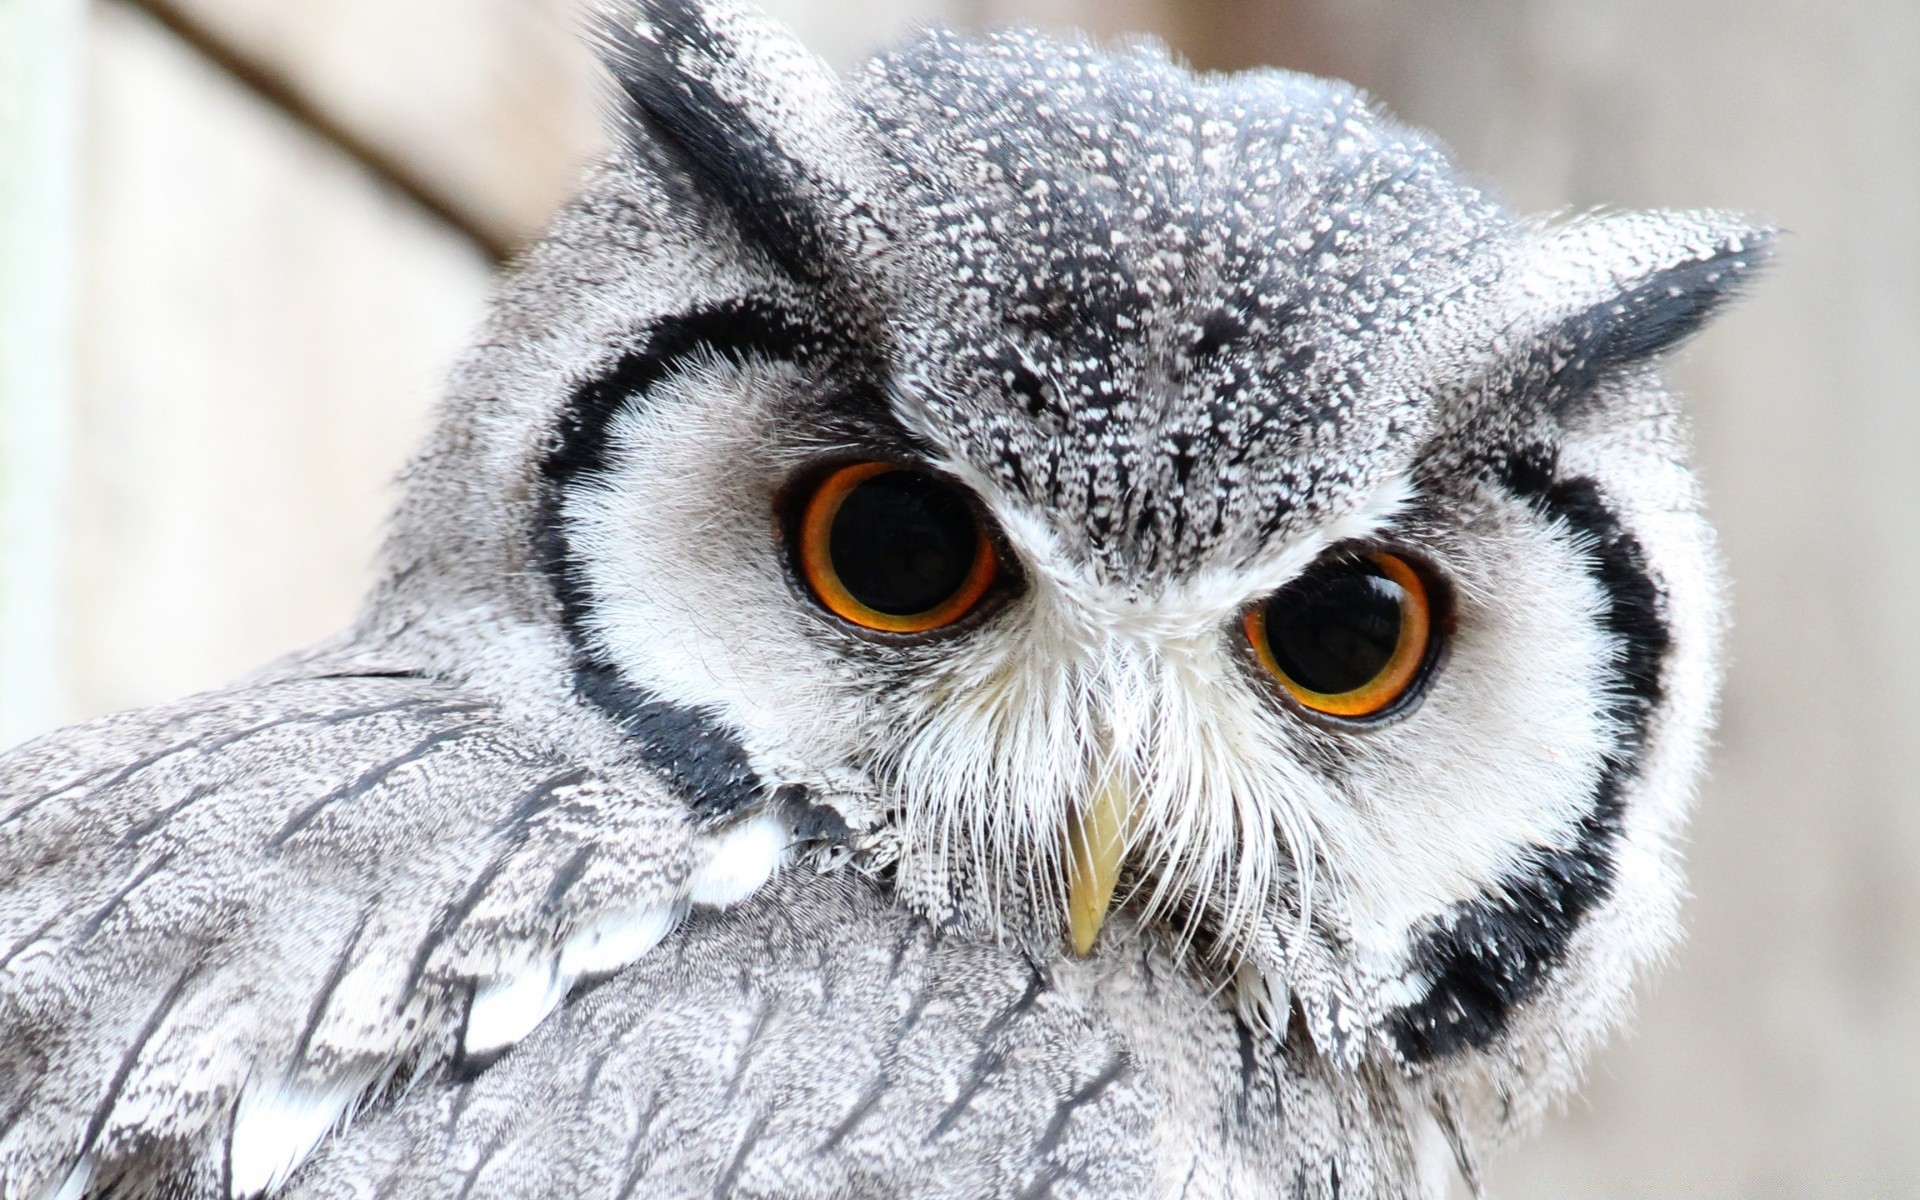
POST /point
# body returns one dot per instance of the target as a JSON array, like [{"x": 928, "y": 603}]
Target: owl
[{"x": 1022, "y": 623}]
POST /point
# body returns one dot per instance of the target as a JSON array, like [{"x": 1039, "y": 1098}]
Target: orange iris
[
  {"x": 1350, "y": 637},
  {"x": 893, "y": 549}
]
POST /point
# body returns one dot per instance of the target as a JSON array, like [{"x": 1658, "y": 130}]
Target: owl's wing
[
  {"x": 226, "y": 921},
  {"x": 815, "y": 1042}
]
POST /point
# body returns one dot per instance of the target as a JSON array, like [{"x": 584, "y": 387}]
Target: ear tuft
[
  {"x": 1619, "y": 290},
  {"x": 761, "y": 125}
]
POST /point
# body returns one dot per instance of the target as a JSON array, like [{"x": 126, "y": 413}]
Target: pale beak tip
[
  {"x": 1089, "y": 896},
  {"x": 1083, "y": 929},
  {"x": 1096, "y": 847}
]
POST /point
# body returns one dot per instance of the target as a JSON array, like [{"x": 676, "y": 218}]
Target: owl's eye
[
  {"x": 1351, "y": 637},
  {"x": 893, "y": 549}
]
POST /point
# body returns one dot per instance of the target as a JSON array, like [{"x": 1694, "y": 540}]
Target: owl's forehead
[{"x": 1163, "y": 310}]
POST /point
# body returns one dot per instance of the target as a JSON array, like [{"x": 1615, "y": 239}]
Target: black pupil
[
  {"x": 903, "y": 543},
  {"x": 1334, "y": 630}
]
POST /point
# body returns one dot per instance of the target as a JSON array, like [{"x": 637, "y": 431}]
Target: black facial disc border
[
  {"x": 697, "y": 755},
  {"x": 1490, "y": 954}
]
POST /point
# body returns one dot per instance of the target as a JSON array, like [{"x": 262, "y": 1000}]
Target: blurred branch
[{"x": 268, "y": 86}]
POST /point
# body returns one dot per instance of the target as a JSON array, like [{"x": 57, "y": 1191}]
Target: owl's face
[{"x": 1089, "y": 489}]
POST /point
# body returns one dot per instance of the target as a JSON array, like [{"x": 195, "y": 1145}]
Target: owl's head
[{"x": 1099, "y": 495}]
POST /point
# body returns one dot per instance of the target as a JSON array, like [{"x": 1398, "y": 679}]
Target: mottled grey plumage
[{"x": 481, "y": 898}]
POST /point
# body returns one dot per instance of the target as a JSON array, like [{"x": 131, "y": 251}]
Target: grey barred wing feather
[
  {"x": 816, "y": 1041},
  {"x": 226, "y": 921}
]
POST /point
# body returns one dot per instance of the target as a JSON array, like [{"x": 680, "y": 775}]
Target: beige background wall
[{"x": 287, "y": 211}]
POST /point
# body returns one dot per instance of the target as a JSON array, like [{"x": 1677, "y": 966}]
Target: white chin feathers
[{"x": 1007, "y": 746}]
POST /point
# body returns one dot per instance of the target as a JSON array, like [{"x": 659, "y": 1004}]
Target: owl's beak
[{"x": 1096, "y": 846}]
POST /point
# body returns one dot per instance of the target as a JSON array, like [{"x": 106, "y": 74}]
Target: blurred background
[{"x": 240, "y": 241}]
